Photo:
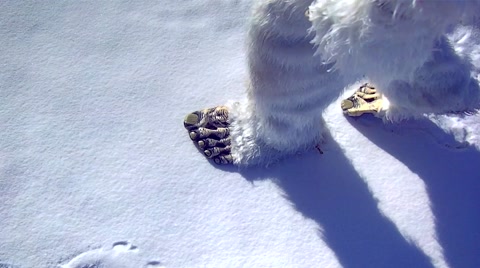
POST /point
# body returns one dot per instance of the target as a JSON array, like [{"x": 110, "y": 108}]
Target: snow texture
[{"x": 96, "y": 169}]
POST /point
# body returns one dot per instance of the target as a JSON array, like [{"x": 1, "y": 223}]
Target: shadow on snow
[
  {"x": 328, "y": 190},
  {"x": 452, "y": 177}
]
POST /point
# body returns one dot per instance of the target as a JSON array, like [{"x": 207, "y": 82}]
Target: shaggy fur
[
  {"x": 300, "y": 62},
  {"x": 403, "y": 47}
]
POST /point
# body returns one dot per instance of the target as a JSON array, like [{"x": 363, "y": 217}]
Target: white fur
[
  {"x": 402, "y": 47},
  {"x": 299, "y": 65},
  {"x": 282, "y": 114},
  {"x": 378, "y": 37}
]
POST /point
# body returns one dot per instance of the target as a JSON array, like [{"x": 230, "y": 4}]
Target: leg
[
  {"x": 289, "y": 88},
  {"x": 445, "y": 84},
  {"x": 409, "y": 59}
]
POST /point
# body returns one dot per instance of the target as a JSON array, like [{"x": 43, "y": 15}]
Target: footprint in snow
[{"x": 122, "y": 254}]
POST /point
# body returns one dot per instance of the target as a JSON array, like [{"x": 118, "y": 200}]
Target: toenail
[
  {"x": 207, "y": 153},
  {"x": 193, "y": 135},
  {"x": 201, "y": 144},
  {"x": 191, "y": 119}
]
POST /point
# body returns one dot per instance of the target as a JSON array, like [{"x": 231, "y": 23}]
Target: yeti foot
[
  {"x": 209, "y": 128},
  {"x": 365, "y": 100}
]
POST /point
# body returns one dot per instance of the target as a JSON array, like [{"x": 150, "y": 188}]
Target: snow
[{"x": 96, "y": 169}]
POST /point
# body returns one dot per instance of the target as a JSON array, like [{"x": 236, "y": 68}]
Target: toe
[
  {"x": 347, "y": 104},
  {"x": 203, "y": 143},
  {"x": 200, "y": 133},
  {"x": 223, "y": 159},
  {"x": 194, "y": 135},
  {"x": 215, "y": 151},
  {"x": 368, "y": 96},
  {"x": 220, "y": 132},
  {"x": 206, "y": 143},
  {"x": 191, "y": 120},
  {"x": 367, "y": 88},
  {"x": 218, "y": 117}
]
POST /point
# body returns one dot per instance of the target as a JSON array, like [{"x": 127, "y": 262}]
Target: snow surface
[{"x": 96, "y": 169}]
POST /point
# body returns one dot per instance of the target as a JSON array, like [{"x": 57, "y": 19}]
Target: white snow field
[{"x": 96, "y": 169}]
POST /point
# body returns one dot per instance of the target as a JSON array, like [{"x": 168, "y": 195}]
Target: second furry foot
[{"x": 209, "y": 128}]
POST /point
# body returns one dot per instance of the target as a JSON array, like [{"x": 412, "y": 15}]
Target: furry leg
[
  {"x": 445, "y": 84},
  {"x": 289, "y": 88},
  {"x": 400, "y": 46}
]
